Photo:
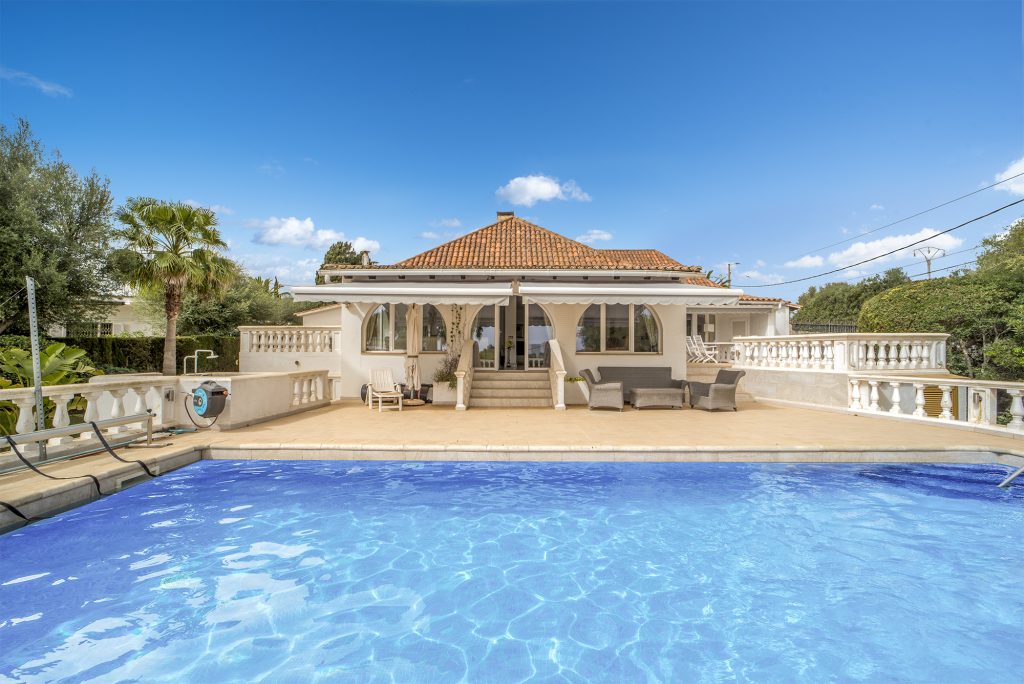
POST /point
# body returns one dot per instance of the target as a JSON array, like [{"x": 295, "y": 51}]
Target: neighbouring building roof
[
  {"x": 515, "y": 243},
  {"x": 707, "y": 282}
]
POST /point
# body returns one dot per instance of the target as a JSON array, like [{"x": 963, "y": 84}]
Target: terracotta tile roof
[{"x": 514, "y": 243}]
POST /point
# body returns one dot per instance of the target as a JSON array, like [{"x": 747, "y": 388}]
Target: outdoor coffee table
[{"x": 657, "y": 396}]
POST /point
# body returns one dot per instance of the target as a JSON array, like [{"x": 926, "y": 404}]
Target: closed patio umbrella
[{"x": 412, "y": 347}]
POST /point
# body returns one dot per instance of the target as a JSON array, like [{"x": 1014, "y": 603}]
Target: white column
[
  {"x": 117, "y": 409},
  {"x": 919, "y": 400},
  {"x": 855, "y": 394},
  {"x": 895, "y": 408},
  {"x": 873, "y": 406},
  {"x": 560, "y": 390},
  {"x": 1016, "y": 410},
  {"x": 947, "y": 402},
  {"x": 460, "y": 390},
  {"x": 60, "y": 415}
]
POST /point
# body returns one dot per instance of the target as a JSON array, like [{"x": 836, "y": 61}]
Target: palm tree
[{"x": 177, "y": 248}]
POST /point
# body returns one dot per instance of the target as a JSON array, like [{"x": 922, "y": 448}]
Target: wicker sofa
[{"x": 642, "y": 387}]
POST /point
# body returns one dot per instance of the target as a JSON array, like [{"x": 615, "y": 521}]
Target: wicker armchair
[
  {"x": 602, "y": 394},
  {"x": 720, "y": 394}
]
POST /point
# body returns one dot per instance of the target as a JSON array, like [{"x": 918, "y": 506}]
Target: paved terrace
[{"x": 349, "y": 430}]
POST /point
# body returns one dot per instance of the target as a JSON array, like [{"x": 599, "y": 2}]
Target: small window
[{"x": 618, "y": 328}]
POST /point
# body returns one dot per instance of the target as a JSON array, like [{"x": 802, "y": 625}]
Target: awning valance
[
  {"x": 406, "y": 293},
  {"x": 631, "y": 293}
]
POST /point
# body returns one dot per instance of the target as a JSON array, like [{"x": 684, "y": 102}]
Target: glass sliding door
[
  {"x": 538, "y": 333},
  {"x": 485, "y": 334}
]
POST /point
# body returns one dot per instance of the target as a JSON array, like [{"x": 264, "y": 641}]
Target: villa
[{"x": 515, "y": 300}]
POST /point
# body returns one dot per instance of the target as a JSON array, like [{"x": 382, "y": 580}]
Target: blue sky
[{"x": 750, "y": 132}]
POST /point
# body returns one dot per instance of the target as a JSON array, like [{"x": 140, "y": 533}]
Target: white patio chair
[
  {"x": 703, "y": 352},
  {"x": 383, "y": 386}
]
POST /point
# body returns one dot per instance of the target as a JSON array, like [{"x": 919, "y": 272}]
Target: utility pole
[
  {"x": 728, "y": 269},
  {"x": 37, "y": 376},
  {"x": 928, "y": 254}
]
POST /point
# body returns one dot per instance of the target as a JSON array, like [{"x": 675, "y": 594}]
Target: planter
[{"x": 442, "y": 394}]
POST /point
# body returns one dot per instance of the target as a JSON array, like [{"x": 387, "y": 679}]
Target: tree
[
  {"x": 341, "y": 252},
  {"x": 842, "y": 302},
  {"x": 981, "y": 310},
  {"x": 179, "y": 250},
  {"x": 249, "y": 301},
  {"x": 54, "y": 226}
]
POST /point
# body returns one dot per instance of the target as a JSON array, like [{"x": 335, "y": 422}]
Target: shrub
[{"x": 145, "y": 354}]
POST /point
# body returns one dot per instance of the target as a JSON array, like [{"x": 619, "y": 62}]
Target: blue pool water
[{"x": 439, "y": 572}]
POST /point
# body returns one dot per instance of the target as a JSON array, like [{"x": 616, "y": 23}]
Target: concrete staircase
[{"x": 506, "y": 389}]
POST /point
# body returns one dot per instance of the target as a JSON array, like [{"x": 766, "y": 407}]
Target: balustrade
[
  {"x": 285, "y": 339},
  {"x": 892, "y": 394},
  {"x": 843, "y": 352}
]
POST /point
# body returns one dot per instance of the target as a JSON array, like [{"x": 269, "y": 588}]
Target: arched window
[
  {"x": 434, "y": 336},
  {"x": 618, "y": 328},
  {"x": 385, "y": 328}
]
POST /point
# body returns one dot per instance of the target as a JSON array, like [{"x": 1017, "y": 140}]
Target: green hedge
[{"x": 146, "y": 354}]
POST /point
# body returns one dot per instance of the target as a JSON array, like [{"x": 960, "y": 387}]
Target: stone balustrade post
[
  {"x": 460, "y": 390},
  {"x": 946, "y": 403},
  {"x": 895, "y": 408},
  {"x": 873, "y": 395},
  {"x": 1016, "y": 410}
]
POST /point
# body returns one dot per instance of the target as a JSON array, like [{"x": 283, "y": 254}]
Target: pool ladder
[{"x": 1011, "y": 477}]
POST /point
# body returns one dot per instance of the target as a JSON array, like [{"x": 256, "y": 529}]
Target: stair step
[
  {"x": 501, "y": 384},
  {"x": 510, "y": 392},
  {"x": 493, "y": 402},
  {"x": 509, "y": 375}
]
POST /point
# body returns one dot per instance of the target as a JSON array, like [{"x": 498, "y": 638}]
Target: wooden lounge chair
[
  {"x": 383, "y": 387},
  {"x": 701, "y": 351}
]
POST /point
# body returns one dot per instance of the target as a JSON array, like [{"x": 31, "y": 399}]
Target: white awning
[
  {"x": 627, "y": 293},
  {"x": 406, "y": 293}
]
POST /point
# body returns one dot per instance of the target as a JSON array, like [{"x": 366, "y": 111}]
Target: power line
[
  {"x": 920, "y": 213},
  {"x": 857, "y": 279},
  {"x": 898, "y": 249},
  {"x": 4, "y": 303}
]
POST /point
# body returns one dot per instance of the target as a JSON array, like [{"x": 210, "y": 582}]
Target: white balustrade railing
[
  {"x": 904, "y": 396},
  {"x": 556, "y": 375},
  {"x": 97, "y": 401},
  {"x": 843, "y": 352},
  {"x": 290, "y": 339},
  {"x": 308, "y": 387}
]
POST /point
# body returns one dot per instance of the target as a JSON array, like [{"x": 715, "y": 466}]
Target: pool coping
[{"x": 45, "y": 498}]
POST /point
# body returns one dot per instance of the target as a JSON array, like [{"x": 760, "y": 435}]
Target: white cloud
[
  {"x": 528, "y": 190},
  {"x": 287, "y": 271},
  {"x": 859, "y": 251},
  {"x": 762, "y": 277},
  {"x": 592, "y": 236},
  {"x": 303, "y": 233},
  {"x": 446, "y": 223},
  {"x": 271, "y": 168},
  {"x": 361, "y": 244},
  {"x": 26, "y": 79},
  {"x": 215, "y": 208},
  {"x": 877, "y": 207},
  {"x": 806, "y": 261},
  {"x": 759, "y": 264},
  {"x": 1016, "y": 186},
  {"x": 430, "y": 235}
]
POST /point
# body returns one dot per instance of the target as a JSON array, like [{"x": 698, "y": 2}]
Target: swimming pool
[{"x": 373, "y": 571}]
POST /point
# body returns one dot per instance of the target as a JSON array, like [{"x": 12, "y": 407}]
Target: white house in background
[
  {"x": 510, "y": 298},
  {"x": 123, "y": 317}
]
